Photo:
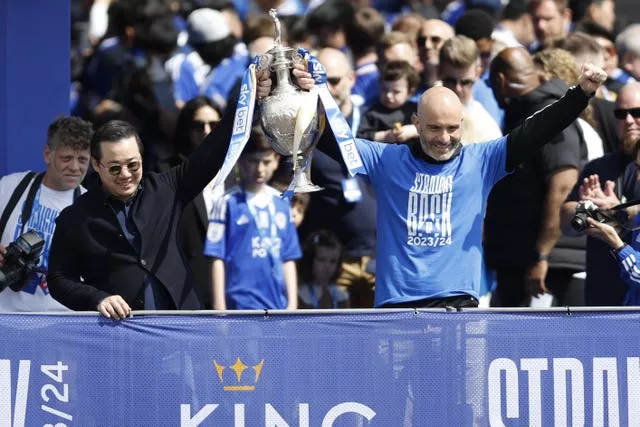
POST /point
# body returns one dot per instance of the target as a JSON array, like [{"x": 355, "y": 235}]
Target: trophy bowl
[{"x": 279, "y": 110}]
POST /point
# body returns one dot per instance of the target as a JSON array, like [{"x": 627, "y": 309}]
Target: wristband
[{"x": 537, "y": 256}]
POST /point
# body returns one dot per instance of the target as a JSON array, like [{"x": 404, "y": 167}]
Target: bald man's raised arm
[{"x": 541, "y": 127}]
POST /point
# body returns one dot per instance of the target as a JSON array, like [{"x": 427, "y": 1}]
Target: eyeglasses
[
  {"x": 200, "y": 124},
  {"x": 333, "y": 81},
  {"x": 451, "y": 82},
  {"x": 621, "y": 113},
  {"x": 116, "y": 169}
]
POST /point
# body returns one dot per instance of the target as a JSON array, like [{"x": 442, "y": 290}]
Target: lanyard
[{"x": 314, "y": 298}]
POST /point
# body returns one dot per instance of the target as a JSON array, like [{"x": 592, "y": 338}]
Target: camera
[
  {"x": 21, "y": 261},
  {"x": 584, "y": 210}
]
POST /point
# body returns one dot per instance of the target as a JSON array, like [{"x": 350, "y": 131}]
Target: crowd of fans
[{"x": 172, "y": 67}]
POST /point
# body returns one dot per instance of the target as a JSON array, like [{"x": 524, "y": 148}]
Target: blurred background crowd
[{"x": 170, "y": 67}]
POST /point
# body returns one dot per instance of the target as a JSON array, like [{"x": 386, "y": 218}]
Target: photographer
[
  {"x": 31, "y": 201},
  {"x": 616, "y": 172},
  {"x": 627, "y": 256}
]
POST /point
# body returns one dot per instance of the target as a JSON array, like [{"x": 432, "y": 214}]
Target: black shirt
[
  {"x": 379, "y": 118},
  {"x": 515, "y": 205}
]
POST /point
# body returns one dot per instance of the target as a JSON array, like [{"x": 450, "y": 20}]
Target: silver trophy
[{"x": 281, "y": 110}]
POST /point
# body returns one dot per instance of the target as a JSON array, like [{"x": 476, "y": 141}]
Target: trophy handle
[
  {"x": 296, "y": 57},
  {"x": 264, "y": 62}
]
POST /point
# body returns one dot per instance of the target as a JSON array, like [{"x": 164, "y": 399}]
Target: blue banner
[{"x": 385, "y": 369}]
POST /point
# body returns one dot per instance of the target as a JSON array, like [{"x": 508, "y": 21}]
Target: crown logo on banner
[{"x": 239, "y": 368}]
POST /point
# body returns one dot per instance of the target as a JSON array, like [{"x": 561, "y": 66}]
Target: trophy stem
[{"x": 304, "y": 184}]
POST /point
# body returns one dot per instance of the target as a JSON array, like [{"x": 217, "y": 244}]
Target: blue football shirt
[
  {"x": 242, "y": 242},
  {"x": 429, "y": 242}
]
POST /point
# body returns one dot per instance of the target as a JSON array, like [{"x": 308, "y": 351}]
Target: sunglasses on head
[
  {"x": 116, "y": 169},
  {"x": 333, "y": 81},
  {"x": 451, "y": 82},
  {"x": 200, "y": 124},
  {"x": 621, "y": 113}
]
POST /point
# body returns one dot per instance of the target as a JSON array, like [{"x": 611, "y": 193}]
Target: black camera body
[
  {"x": 584, "y": 210},
  {"x": 21, "y": 261}
]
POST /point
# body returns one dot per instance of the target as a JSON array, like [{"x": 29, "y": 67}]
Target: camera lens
[{"x": 579, "y": 222}]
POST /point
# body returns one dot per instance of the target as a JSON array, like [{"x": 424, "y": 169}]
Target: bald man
[
  {"x": 340, "y": 79},
  {"x": 433, "y": 34},
  {"x": 432, "y": 194},
  {"x": 615, "y": 179}
]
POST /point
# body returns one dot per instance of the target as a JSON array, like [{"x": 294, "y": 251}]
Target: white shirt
[
  {"x": 595, "y": 148},
  {"x": 47, "y": 205},
  {"x": 484, "y": 125}
]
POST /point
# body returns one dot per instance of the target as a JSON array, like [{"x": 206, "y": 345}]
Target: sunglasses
[
  {"x": 200, "y": 125},
  {"x": 451, "y": 82},
  {"x": 116, "y": 169},
  {"x": 422, "y": 40},
  {"x": 621, "y": 113},
  {"x": 333, "y": 81}
]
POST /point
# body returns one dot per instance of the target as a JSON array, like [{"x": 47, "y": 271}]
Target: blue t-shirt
[
  {"x": 252, "y": 279},
  {"x": 366, "y": 89},
  {"x": 483, "y": 93},
  {"x": 430, "y": 218}
]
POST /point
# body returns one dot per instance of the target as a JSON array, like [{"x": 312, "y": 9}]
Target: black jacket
[
  {"x": 193, "y": 233},
  {"x": 515, "y": 205},
  {"x": 90, "y": 257}
]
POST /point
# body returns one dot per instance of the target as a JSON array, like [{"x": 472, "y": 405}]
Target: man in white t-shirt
[
  {"x": 66, "y": 154},
  {"x": 458, "y": 70}
]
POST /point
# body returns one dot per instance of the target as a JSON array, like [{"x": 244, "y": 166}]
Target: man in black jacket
[
  {"x": 116, "y": 248},
  {"x": 518, "y": 243}
]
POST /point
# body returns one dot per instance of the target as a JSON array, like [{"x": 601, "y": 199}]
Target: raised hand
[
  {"x": 591, "y": 78},
  {"x": 591, "y": 189},
  {"x": 263, "y": 83},
  {"x": 303, "y": 77}
]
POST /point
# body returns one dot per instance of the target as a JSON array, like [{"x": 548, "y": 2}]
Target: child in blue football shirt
[{"x": 252, "y": 238}]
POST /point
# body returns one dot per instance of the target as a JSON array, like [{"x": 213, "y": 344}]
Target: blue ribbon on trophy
[
  {"x": 339, "y": 126},
  {"x": 242, "y": 123}
]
